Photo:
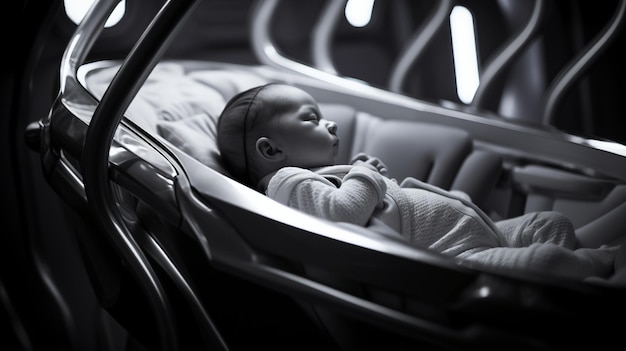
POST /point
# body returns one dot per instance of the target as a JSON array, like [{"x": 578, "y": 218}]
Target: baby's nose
[{"x": 332, "y": 127}]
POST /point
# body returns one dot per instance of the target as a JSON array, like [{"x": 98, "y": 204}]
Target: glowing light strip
[{"x": 464, "y": 53}]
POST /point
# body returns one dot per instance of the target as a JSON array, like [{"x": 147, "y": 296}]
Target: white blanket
[{"x": 170, "y": 93}]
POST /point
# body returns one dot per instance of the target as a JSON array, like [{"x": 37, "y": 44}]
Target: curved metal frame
[
  {"x": 581, "y": 63},
  {"x": 422, "y": 37},
  {"x": 322, "y": 35},
  {"x": 103, "y": 125},
  {"x": 267, "y": 54},
  {"x": 505, "y": 57}
]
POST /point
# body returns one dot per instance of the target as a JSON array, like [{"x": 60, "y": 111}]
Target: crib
[{"x": 130, "y": 144}]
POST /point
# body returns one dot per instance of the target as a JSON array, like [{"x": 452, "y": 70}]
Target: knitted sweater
[{"x": 430, "y": 217}]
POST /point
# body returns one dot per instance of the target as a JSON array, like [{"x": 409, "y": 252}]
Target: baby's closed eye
[{"x": 312, "y": 117}]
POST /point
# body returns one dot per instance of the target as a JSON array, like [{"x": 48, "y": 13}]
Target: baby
[{"x": 273, "y": 138}]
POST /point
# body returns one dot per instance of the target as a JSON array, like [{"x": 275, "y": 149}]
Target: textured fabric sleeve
[{"x": 361, "y": 191}]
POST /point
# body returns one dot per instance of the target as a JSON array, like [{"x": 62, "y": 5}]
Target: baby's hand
[{"x": 362, "y": 159}]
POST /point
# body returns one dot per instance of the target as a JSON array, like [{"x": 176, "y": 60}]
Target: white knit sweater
[{"x": 433, "y": 218}]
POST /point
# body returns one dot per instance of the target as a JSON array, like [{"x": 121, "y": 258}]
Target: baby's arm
[{"x": 361, "y": 192}]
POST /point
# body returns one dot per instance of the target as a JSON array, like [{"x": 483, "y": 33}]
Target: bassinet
[{"x": 147, "y": 184}]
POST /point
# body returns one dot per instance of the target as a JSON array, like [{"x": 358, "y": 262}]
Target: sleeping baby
[{"x": 273, "y": 138}]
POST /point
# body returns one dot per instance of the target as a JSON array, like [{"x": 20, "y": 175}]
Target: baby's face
[{"x": 306, "y": 138}]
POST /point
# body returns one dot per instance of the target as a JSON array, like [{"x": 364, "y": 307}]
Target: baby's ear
[{"x": 267, "y": 149}]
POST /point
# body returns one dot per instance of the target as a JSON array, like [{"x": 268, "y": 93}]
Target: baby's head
[{"x": 272, "y": 126}]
